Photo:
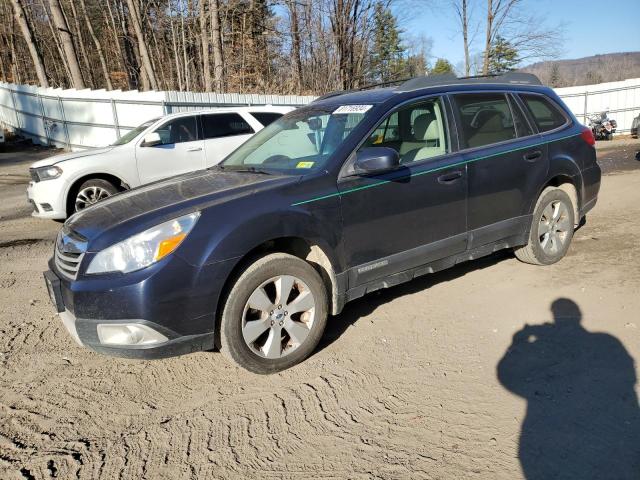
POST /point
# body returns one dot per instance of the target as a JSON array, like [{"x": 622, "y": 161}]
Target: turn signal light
[{"x": 168, "y": 245}]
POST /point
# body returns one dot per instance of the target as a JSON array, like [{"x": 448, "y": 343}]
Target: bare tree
[
  {"x": 64, "y": 34},
  {"x": 25, "y": 27},
  {"x": 216, "y": 42},
  {"x": 142, "y": 45},
  {"x": 461, "y": 7}
]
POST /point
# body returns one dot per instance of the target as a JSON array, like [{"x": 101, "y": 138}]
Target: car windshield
[
  {"x": 127, "y": 137},
  {"x": 300, "y": 141}
]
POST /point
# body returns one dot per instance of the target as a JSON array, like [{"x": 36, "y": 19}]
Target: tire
[
  {"x": 549, "y": 240},
  {"x": 90, "y": 192},
  {"x": 257, "y": 331}
]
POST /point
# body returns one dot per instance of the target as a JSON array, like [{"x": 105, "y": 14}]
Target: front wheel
[
  {"x": 551, "y": 229},
  {"x": 92, "y": 191},
  {"x": 274, "y": 315}
]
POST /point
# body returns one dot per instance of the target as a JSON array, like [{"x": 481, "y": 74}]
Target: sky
[{"x": 591, "y": 27}]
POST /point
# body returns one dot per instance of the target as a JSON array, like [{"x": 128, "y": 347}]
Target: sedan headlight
[
  {"x": 47, "y": 173},
  {"x": 145, "y": 248}
]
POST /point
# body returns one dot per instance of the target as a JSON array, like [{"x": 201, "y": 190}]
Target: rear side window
[
  {"x": 485, "y": 119},
  {"x": 224, "y": 125},
  {"x": 523, "y": 129},
  {"x": 265, "y": 118},
  {"x": 545, "y": 114}
]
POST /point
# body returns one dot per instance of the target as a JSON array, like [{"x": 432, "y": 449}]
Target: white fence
[{"x": 78, "y": 119}]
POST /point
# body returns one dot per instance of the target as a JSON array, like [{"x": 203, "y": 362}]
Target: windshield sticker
[
  {"x": 304, "y": 164},
  {"x": 352, "y": 109}
]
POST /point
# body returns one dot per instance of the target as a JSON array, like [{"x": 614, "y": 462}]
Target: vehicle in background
[
  {"x": 602, "y": 126},
  {"x": 162, "y": 147},
  {"x": 1, "y": 135},
  {"x": 355, "y": 192},
  {"x": 635, "y": 127}
]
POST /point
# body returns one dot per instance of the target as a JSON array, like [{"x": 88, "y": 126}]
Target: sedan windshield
[
  {"x": 299, "y": 141},
  {"x": 127, "y": 137}
]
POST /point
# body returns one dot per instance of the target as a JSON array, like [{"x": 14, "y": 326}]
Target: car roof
[
  {"x": 427, "y": 84},
  {"x": 249, "y": 109}
]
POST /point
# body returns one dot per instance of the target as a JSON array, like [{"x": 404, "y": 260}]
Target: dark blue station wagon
[{"x": 355, "y": 192}]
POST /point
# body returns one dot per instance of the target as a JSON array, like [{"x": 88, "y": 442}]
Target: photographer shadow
[{"x": 583, "y": 417}]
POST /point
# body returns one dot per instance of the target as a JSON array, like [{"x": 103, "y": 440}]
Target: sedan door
[
  {"x": 415, "y": 214},
  {"x": 223, "y": 133},
  {"x": 180, "y": 150}
]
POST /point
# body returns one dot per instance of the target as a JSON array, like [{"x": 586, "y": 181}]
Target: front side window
[
  {"x": 545, "y": 114},
  {"x": 417, "y": 132},
  {"x": 224, "y": 125},
  {"x": 299, "y": 141},
  {"x": 485, "y": 119},
  {"x": 127, "y": 137},
  {"x": 178, "y": 130}
]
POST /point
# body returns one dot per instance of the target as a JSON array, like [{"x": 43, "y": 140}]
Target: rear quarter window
[
  {"x": 545, "y": 114},
  {"x": 265, "y": 118}
]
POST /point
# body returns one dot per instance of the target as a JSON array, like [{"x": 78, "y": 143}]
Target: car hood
[
  {"x": 160, "y": 201},
  {"x": 63, "y": 157}
]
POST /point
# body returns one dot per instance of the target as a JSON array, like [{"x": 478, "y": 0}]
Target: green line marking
[{"x": 424, "y": 172}]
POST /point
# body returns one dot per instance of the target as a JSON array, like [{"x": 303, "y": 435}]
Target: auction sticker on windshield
[
  {"x": 352, "y": 109},
  {"x": 304, "y": 164}
]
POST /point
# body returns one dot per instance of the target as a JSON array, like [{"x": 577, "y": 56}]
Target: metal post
[
  {"x": 64, "y": 124},
  {"x": 43, "y": 117},
  {"x": 586, "y": 96},
  {"x": 15, "y": 109},
  {"x": 116, "y": 125},
  {"x": 164, "y": 107}
]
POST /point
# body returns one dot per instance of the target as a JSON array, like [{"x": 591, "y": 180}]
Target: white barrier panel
[{"x": 78, "y": 119}]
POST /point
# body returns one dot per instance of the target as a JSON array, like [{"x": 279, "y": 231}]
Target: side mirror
[
  {"x": 151, "y": 139},
  {"x": 376, "y": 159}
]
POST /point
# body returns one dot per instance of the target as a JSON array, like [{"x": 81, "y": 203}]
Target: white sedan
[{"x": 162, "y": 147}]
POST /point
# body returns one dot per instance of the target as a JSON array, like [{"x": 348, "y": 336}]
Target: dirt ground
[{"x": 476, "y": 372}]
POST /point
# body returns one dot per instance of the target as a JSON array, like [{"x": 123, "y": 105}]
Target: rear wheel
[
  {"x": 92, "y": 191},
  {"x": 551, "y": 229},
  {"x": 274, "y": 315}
]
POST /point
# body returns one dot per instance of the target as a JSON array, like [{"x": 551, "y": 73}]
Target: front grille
[
  {"x": 68, "y": 254},
  {"x": 34, "y": 175}
]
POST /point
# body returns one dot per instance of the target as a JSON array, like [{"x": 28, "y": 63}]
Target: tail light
[{"x": 587, "y": 136}]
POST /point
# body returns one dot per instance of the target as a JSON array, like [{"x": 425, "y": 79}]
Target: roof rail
[
  {"x": 449, "y": 78},
  {"x": 359, "y": 89}
]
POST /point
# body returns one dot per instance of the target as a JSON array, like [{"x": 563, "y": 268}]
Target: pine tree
[
  {"x": 442, "y": 66},
  {"x": 503, "y": 57},
  {"x": 555, "y": 77},
  {"x": 387, "y": 52}
]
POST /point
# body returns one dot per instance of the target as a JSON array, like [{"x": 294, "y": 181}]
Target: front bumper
[
  {"x": 172, "y": 298},
  {"x": 47, "y": 199}
]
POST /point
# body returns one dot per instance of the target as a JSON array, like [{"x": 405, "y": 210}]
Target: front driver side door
[
  {"x": 180, "y": 151},
  {"x": 413, "y": 215}
]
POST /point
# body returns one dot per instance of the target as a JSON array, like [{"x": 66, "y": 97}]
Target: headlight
[
  {"x": 48, "y": 173},
  {"x": 145, "y": 248}
]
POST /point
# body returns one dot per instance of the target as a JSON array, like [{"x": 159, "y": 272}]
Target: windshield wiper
[{"x": 237, "y": 168}]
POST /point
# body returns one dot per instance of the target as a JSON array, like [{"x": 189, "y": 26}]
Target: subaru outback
[{"x": 355, "y": 192}]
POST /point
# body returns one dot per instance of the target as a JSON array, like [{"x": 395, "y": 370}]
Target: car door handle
[
  {"x": 533, "y": 156},
  {"x": 195, "y": 149},
  {"x": 449, "y": 177}
]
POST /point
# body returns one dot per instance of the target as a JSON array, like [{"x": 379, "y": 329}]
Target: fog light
[
  {"x": 46, "y": 207},
  {"x": 128, "y": 334}
]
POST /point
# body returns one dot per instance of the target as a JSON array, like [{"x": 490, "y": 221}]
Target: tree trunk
[
  {"x": 216, "y": 41},
  {"x": 67, "y": 44},
  {"x": 142, "y": 46},
  {"x": 487, "y": 44},
  {"x": 96, "y": 42},
  {"x": 204, "y": 37},
  {"x": 80, "y": 41},
  {"x": 295, "y": 43},
  {"x": 25, "y": 27},
  {"x": 465, "y": 37}
]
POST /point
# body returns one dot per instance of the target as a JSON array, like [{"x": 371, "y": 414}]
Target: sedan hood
[
  {"x": 63, "y": 157},
  {"x": 169, "y": 198}
]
